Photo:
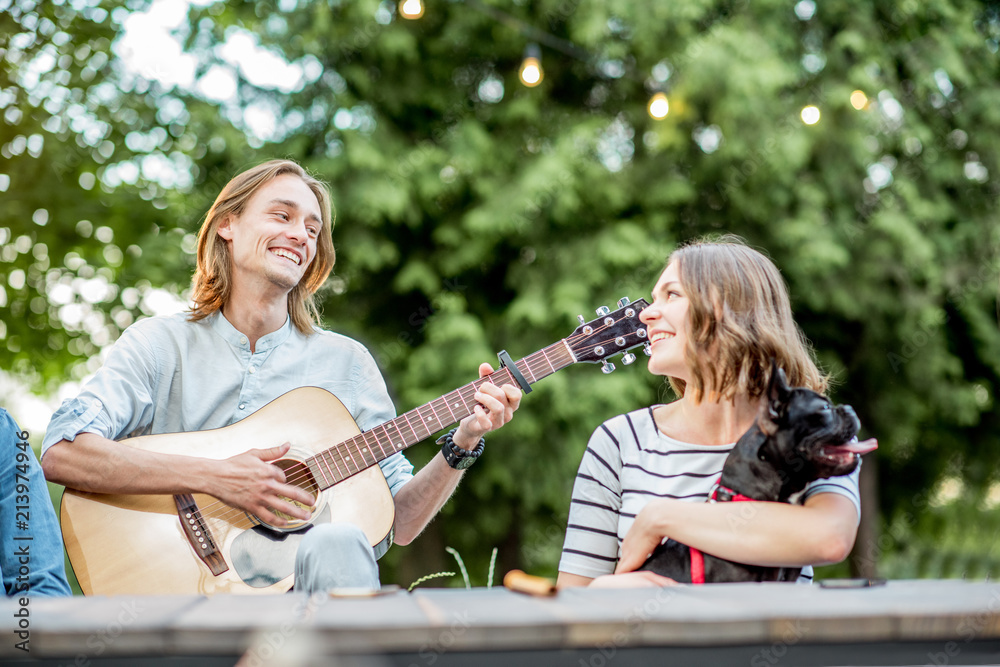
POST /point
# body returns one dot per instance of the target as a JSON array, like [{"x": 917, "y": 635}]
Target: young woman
[{"x": 720, "y": 313}]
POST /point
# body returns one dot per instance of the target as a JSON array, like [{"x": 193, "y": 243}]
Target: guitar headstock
[{"x": 613, "y": 332}]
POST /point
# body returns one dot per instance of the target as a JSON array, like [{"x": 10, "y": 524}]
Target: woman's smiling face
[{"x": 666, "y": 320}]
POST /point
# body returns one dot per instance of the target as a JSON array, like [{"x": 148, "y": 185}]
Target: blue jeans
[
  {"x": 31, "y": 547},
  {"x": 335, "y": 555}
]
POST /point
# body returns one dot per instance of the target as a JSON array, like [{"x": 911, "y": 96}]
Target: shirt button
[
  {"x": 243, "y": 341},
  {"x": 252, "y": 369},
  {"x": 243, "y": 406}
]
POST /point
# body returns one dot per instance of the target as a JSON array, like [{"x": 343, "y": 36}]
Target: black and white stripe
[{"x": 627, "y": 463}]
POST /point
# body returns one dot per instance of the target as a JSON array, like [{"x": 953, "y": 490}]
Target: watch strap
[{"x": 457, "y": 457}]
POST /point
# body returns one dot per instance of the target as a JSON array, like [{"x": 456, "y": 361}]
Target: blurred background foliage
[{"x": 476, "y": 214}]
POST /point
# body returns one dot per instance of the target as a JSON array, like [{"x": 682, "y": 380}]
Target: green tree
[{"x": 83, "y": 239}]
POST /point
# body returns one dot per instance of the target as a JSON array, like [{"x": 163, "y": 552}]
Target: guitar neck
[{"x": 366, "y": 449}]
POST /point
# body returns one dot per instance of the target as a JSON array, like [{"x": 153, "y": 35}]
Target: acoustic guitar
[{"x": 195, "y": 544}]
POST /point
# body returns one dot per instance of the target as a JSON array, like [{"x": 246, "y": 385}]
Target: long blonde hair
[
  {"x": 740, "y": 318},
  {"x": 212, "y": 282}
]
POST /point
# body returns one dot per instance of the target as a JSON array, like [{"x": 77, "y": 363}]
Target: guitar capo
[{"x": 508, "y": 363}]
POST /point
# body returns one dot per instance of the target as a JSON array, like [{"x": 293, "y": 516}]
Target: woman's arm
[
  {"x": 569, "y": 580},
  {"x": 819, "y": 532},
  {"x": 628, "y": 580},
  {"x": 590, "y": 547}
]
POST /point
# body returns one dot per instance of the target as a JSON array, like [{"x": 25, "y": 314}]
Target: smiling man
[{"x": 252, "y": 335}]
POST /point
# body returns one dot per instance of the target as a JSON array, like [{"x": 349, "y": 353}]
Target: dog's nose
[{"x": 848, "y": 413}]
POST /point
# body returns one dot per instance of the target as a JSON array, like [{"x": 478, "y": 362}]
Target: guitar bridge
[{"x": 198, "y": 534}]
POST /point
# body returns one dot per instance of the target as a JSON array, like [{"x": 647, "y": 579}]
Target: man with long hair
[{"x": 252, "y": 334}]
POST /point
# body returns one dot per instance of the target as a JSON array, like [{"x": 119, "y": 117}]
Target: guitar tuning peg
[
  {"x": 607, "y": 367},
  {"x": 580, "y": 317},
  {"x": 624, "y": 301},
  {"x": 628, "y": 358},
  {"x": 603, "y": 310},
  {"x": 647, "y": 349}
]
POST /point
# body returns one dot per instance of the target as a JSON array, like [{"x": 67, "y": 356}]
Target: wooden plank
[
  {"x": 371, "y": 624},
  {"x": 679, "y": 615},
  {"x": 104, "y": 626},
  {"x": 228, "y": 624},
  {"x": 945, "y": 615},
  {"x": 490, "y": 619}
]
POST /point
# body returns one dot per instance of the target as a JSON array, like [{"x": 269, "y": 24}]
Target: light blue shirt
[{"x": 171, "y": 375}]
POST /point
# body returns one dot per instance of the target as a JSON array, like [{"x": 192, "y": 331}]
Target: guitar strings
[
  {"x": 306, "y": 474},
  {"x": 342, "y": 458},
  {"x": 533, "y": 364}
]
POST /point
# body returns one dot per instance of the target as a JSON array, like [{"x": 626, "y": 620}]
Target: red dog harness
[{"x": 718, "y": 494}]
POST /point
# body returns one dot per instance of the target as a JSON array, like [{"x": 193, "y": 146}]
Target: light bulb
[
  {"x": 411, "y": 9},
  {"x": 810, "y": 115},
  {"x": 658, "y": 106},
  {"x": 531, "y": 73}
]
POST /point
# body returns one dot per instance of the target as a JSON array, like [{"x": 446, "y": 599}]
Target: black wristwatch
[{"x": 459, "y": 458}]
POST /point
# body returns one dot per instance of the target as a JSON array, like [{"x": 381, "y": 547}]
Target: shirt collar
[{"x": 236, "y": 338}]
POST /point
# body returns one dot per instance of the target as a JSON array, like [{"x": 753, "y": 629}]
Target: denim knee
[
  {"x": 335, "y": 555},
  {"x": 327, "y": 536}
]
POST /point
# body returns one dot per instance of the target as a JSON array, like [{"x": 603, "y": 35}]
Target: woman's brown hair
[
  {"x": 212, "y": 282},
  {"x": 740, "y": 318}
]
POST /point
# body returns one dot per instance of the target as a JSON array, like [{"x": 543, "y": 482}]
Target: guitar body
[{"x": 136, "y": 544}]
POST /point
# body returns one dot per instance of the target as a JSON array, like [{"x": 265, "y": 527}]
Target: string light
[
  {"x": 531, "y": 73},
  {"x": 658, "y": 106},
  {"x": 810, "y": 115},
  {"x": 859, "y": 100},
  {"x": 411, "y": 9}
]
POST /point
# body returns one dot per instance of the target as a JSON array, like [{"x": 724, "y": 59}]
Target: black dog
[{"x": 798, "y": 437}]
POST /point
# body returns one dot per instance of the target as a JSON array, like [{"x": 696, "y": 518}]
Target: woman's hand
[
  {"x": 646, "y": 533},
  {"x": 631, "y": 580}
]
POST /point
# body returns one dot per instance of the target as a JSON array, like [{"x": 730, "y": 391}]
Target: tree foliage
[
  {"x": 83, "y": 239},
  {"x": 475, "y": 214}
]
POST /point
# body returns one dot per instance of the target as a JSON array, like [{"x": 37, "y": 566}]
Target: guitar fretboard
[{"x": 366, "y": 449}]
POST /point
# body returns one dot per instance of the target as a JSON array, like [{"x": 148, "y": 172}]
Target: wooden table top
[{"x": 496, "y": 620}]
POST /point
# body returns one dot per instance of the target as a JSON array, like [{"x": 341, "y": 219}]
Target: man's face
[{"x": 274, "y": 240}]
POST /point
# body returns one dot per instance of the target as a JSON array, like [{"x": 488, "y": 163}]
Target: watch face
[{"x": 464, "y": 462}]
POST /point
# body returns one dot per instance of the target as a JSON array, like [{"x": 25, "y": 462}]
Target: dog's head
[{"x": 808, "y": 437}]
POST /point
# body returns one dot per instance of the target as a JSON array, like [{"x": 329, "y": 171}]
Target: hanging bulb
[
  {"x": 810, "y": 115},
  {"x": 531, "y": 73},
  {"x": 411, "y": 9},
  {"x": 658, "y": 106}
]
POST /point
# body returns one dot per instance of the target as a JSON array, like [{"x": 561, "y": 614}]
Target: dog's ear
[{"x": 777, "y": 395}]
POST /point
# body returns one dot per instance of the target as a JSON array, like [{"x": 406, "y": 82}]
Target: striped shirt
[{"x": 629, "y": 462}]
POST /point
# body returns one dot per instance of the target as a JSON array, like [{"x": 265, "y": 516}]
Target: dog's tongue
[{"x": 863, "y": 447}]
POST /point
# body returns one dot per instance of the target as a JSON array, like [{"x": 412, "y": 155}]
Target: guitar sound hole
[{"x": 298, "y": 474}]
